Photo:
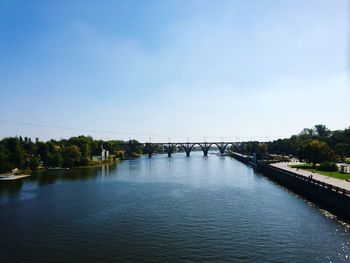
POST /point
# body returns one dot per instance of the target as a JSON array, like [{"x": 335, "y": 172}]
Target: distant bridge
[{"x": 188, "y": 146}]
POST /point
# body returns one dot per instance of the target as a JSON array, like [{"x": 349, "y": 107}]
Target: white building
[
  {"x": 344, "y": 168},
  {"x": 104, "y": 155}
]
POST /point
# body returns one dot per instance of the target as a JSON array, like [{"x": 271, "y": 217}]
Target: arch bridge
[{"x": 169, "y": 148}]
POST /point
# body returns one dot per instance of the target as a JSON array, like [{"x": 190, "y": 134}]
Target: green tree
[
  {"x": 71, "y": 155},
  {"x": 261, "y": 148},
  {"x": 252, "y": 147},
  {"x": 85, "y": 154},
  {"x": 43, "y": 151},
  {"x": 57, "y": 159},
  {"x": 307, "y": 133},
  {"x": 120, "y": 154},
  {"x": 322, "y": 131},
  {"x": 342, "y": 149},
  {"x": 315, "y": 151},
  {"x": 5, "y": 164},
  {"x": 132, "y": 148},
  {"x": 33, "y": 163},
  {"x": 16, "y": 157}
]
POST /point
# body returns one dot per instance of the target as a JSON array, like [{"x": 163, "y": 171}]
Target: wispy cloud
[{"x": 227, "y": 70}]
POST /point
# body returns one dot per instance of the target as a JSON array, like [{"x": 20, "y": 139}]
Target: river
[{"x": 160, "y": 209}]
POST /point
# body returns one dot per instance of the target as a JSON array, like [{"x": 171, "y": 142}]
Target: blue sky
[{"x": 178, "y": 69}]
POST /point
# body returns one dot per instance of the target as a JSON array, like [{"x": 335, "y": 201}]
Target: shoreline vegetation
[
  {"x": 31, "y": 156},
  {"x": 324, "y": 151},
  {"x": 318, "y": 146}
]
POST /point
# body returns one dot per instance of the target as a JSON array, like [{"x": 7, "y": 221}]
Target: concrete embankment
[
  {"x": 240, "y": 157},
  {"x": 327, "y": 196}
]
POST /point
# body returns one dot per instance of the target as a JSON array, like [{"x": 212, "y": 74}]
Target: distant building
[
  {"x": 104, "y": 155},
  {"x": 344, "y": 168}
]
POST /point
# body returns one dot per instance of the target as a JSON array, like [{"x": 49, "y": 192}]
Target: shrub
[
  {"x": 120, "y": 154},
  {"x": 328, "y": 167}
]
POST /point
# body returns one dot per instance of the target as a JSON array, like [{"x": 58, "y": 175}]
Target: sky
[{"x": 173, "y": 70}]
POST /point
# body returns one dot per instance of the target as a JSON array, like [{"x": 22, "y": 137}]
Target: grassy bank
[{"x": 308, "y": 167}]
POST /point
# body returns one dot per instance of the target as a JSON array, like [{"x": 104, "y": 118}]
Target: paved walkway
[{"x": 326, "y": 179}]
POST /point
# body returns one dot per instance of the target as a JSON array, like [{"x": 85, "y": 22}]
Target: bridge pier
[
  {"x": 205, "y": 148},
  {"x": 169, "y": 148},
  {"x": 187, "y": 147},
  {"x": 222, "y": 147}
]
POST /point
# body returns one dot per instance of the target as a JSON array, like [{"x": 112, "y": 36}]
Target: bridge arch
[
  {"x": 170, "y": 147},
  {"x": 221, "y": 146},
  {"x": 188, "y": 147}
]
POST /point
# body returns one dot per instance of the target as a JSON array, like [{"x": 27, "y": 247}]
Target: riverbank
[
  {"x": 97, "y": 164},
  {"x": 329, "y": 193},
  {"x": 29, "y": 172},
  {"x": 11, "y": 177},
  {"x": 334, "y": 182}
]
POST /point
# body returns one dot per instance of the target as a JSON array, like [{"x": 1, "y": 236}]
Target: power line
[
  {"x": 122, "y": 133},
  {"x": 93, "y": 130},
  {"x": 78, "y": 129}
]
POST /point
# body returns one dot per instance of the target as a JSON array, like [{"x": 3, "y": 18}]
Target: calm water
[{"x": 196, "y": 209}]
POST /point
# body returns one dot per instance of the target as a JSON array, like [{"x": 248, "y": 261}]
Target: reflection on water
[
  {"x": 13, "y": 188},
  {"x": 160, "y": 209}
]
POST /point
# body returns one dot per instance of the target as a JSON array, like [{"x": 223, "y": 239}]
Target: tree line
[
  {"x": 23, "y": 153},
  {"x": 314, "y": 145}
]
